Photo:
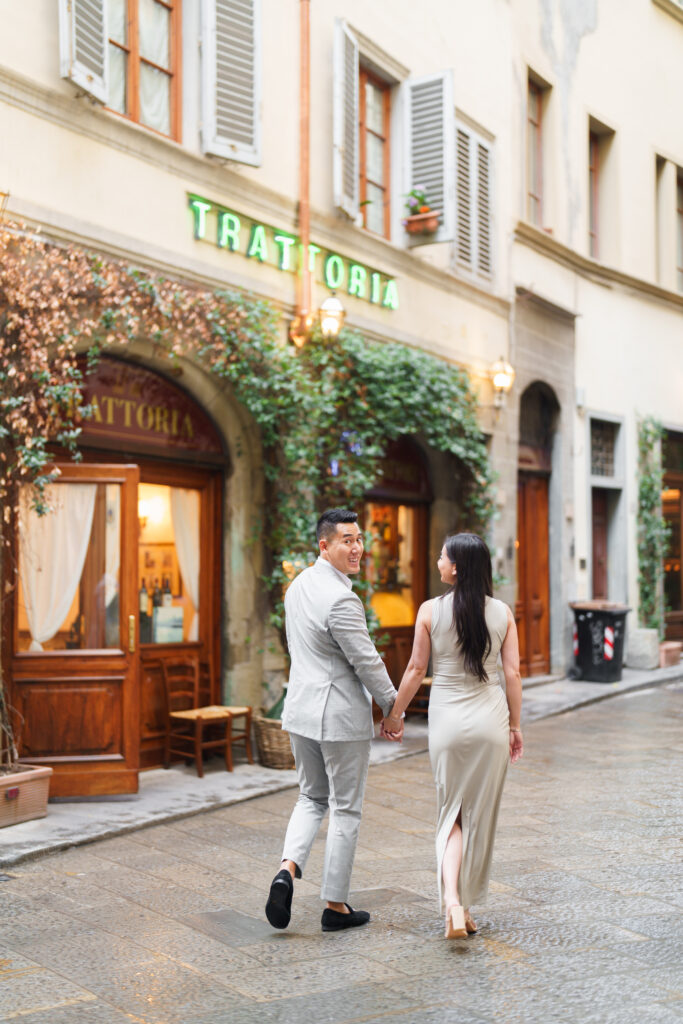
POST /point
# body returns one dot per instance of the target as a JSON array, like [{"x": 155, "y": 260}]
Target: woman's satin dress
[{"x": 468, "y": 746}]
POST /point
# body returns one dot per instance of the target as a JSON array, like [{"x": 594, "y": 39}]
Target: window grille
[{"x": 603, "y": 437}]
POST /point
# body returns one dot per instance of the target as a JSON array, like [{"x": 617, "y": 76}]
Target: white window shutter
[
  {"x": 83, "y": 45},
  {"x": 474, "y": 172},
  {"x": 431, "y": 149},
  {"x": 346, "y": 171},
  {"x": 231, "y": 79},
  {"x": 464, "y": 239},
  {"x": 483, "y": 203}
]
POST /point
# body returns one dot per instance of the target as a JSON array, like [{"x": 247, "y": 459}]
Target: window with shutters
[
  {"x": 535, "y": 153},
  {"x": 679, "y": 231},
  {"x": 231, "y": 79},
  {"x": 144, "y": 71},
  {"x": 593, "y": 194},
  {"x": 431, "y": 157},
  {"x": 474, "y": 203},
  {"x": 602, "y": 211},
  {"x": 374, "y": 127}
]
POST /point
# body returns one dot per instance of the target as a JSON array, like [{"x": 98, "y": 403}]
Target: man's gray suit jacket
[{"x": 335, "y": 667}]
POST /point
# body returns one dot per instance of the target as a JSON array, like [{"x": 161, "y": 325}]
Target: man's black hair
[{"x": 327, "y": 524}]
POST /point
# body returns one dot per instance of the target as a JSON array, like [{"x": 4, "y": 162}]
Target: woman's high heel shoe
[
  {"x": 470, "y": 924},
  {"x": 455, "y": 923}
]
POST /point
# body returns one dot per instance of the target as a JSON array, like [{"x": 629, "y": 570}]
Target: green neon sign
[{"x": 233, "y": 232}]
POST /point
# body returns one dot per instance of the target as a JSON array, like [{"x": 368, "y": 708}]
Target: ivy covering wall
[
  {"x": 332, "y": 404},
  {"x": 653, "y": 530}
]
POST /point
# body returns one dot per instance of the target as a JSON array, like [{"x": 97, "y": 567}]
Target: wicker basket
[{"x": 274, "y": 749}]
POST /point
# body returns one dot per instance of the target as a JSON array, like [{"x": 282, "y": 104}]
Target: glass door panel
[
  {"x": 168, "y": 563},
  {"x": 69, "y": 569}
]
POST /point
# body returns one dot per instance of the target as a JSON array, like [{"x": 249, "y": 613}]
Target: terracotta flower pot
[
  {"x": 422, "y": 223},
  {"x": 23, "y": 794}
]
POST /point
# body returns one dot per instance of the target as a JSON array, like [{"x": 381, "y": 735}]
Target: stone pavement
[
  {"x": 583, "y": 924},
  {"x": 178, "y": 793}
]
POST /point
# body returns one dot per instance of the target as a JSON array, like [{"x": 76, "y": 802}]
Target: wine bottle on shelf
[
  {"x": 167, "y": 596},
  {"x": 145, "y": 622},
  {"x": 156, "y": 594}
]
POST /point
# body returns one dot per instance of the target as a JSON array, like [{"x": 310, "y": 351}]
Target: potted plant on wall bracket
[{"x": 421, "y": 219}]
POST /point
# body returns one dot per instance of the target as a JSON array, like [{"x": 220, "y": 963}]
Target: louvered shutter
[
  {"x": 464, "y": 190},
  {"x": 473, "y": 236},
  {"x": 346, "y": 173},
  {"x": 231, "y": 80},
  {"x": 83, "y": 45},
  {"x": 431, "y": 158},
  {"x": 484, "y": 261}
]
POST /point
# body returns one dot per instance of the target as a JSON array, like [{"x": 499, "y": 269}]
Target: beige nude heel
[
  {"x": 470, "y": 924},
  {"x": 455, "y": 923}
]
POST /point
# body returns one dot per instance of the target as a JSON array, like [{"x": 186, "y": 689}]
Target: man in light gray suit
[{"x": 335, "y": 669}]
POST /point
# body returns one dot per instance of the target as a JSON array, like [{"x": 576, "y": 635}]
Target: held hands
[
  {"x": 392, "y": 729},
  {"x": 516, "y": 745}
]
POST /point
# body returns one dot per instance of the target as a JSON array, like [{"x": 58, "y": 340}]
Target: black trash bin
[{"x": 599, "y": 628}]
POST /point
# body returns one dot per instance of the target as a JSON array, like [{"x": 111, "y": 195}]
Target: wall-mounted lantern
[
  {"x": 502, "y": 376},
  {"x": 332, "y": 315}
]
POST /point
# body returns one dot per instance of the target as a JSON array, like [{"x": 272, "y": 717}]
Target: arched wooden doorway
[
  {"x": 396, "y": 517},
  {"x": 538, "y": 419},
  {"x": 123, "y": 574}
]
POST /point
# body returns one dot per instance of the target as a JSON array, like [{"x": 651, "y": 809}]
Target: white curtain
[
  {"x": 52, "y": 552},
  {"x": 185, "y": 516}
]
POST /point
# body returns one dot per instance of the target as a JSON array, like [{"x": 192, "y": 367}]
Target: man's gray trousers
[{"x": 331, "y": 774}]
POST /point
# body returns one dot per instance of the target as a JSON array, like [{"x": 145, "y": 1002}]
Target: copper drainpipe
[{"x": 300, "y": 328}]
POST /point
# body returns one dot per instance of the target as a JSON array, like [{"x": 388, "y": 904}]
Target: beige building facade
[{"x": 166, "y": 132}]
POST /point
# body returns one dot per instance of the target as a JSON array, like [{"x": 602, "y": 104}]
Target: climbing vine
[
  {"x": 326, "y": 414},
  {"x": 653, "y": 530}
]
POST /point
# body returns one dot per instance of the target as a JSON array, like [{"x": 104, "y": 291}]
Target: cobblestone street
[{"x": 583, "y": 922}]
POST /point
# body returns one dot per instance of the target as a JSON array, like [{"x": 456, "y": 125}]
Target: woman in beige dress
[{"x": 474, "y": 728}]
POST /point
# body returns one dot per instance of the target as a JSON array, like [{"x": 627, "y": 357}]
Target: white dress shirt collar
[{"x": 328, "y": 565}]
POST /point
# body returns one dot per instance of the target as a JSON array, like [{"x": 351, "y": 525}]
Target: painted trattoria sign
[{"x": 236, "y": 233}]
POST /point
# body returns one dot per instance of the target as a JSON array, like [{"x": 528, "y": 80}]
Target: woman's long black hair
[{"x": 472, "y": 585}]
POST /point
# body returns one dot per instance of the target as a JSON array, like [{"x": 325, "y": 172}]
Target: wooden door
[
  {"x": 75, "y": 671},
  {"x": 532, "y": 609},
  {"x": 204, "y": 643},
  {"x": 599, "y": 529}
]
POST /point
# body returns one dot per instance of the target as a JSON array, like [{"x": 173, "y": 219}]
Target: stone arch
[{"x": 244, "y": 631}]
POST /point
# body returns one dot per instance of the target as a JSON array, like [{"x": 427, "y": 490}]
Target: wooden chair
[
  {"x": 237, "y": 711},
  {"x": 191, "y": 728}
]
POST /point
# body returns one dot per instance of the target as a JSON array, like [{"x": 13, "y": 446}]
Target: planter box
[
  {"x": 423, "y": 223},
  {"x": 23, "y": 794},
  {"x": 670, "y": 653}
]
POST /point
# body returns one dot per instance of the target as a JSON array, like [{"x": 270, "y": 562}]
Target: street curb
[
  {"x": 8, "y": 859},
  {"x": 23, "y": 856},
  {"x": 600, "y": 697}
]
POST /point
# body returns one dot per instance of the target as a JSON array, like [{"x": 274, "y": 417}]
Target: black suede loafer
[
  {"x": 333, "y": 921},
  {"x": 279, "y": 905}
]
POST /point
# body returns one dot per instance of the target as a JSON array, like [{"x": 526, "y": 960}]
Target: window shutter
[
  {"x": 431, "y": 157},
  {"x": 346, "y": 170},
  {"x": 483, "y": 209},
  {"x": 473, "y": 236},
  {"x": 464, "y": 189},
  {"x": 83, "y": 45},
  {"x": 231, "y": 80}
]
